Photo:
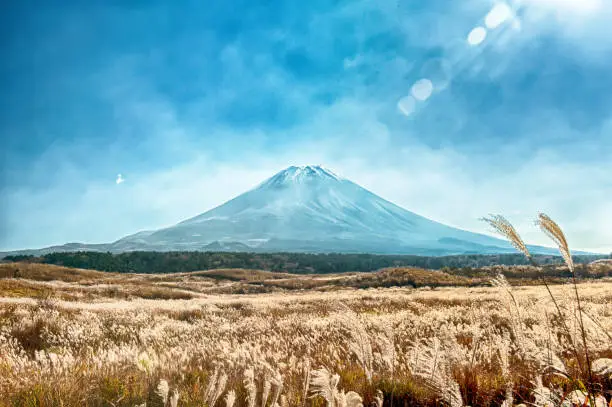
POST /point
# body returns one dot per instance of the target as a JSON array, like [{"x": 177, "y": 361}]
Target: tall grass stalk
[
  {"x": 553, "y": 230},
  {"x": 555, "y": 233}
]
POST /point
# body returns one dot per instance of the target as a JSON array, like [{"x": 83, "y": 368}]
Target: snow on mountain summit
[
  {"x": 301, "y": 174},
  {"x": 309, "y": 188}
]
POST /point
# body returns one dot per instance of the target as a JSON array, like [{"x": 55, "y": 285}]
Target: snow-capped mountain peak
[
  {"x": 310, "y": 208},
  {"x": 300, "y": 174}
]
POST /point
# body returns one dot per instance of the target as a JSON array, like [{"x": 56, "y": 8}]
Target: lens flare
[
  {"x": 406, "y": 105},
  {"x": 498, "y": 15},
  {"x": 477, "y": 36},
  {"x": 422, "y": 89}
]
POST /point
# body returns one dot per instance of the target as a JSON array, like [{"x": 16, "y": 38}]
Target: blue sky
[{"x": 194, "y": 102}]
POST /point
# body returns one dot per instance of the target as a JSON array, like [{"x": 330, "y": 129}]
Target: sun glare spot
[
  {"x": 477, "y": 36},
  {"x": 422, "y": 89},
  {"x": 499, "y": 14},
  {"x": 438, "y": 71},
  {"x": 406, "y": 105}
]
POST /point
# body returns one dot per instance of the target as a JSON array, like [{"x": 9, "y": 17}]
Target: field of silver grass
[
  {"x": 452, "y": 346},
  {"x": 541, "y": 345}
]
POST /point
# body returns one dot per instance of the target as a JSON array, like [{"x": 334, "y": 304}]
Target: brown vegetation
[{"x": 237, "y": 337}]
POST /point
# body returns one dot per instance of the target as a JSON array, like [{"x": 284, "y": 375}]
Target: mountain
[{"x": 310, "y": 209}]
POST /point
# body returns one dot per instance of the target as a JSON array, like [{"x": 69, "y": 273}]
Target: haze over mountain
[{"x": 309, "y": 209}]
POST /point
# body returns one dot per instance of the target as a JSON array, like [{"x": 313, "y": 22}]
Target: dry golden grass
[
  {"x": 27, "y": 280},
  {"x": 84, "y": 338},
  {"x": 49, "y": 272}
]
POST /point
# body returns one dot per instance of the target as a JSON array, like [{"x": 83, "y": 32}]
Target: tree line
[{"x": 299, "y": 263}]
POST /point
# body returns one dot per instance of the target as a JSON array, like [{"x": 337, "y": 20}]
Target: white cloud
[
  {"x": 585, "y": 24},
  {"x": 579, "y": 8},
  {"x": 441, "y": 184}
]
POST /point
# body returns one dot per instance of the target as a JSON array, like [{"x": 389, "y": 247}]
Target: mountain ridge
[{"x": 308, "y": 209}]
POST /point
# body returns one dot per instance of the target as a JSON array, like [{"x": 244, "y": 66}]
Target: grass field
[{"x": 71, "y": 337}]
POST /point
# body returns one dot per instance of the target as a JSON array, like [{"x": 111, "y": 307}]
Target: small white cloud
[{"x": 119, "y": 179}]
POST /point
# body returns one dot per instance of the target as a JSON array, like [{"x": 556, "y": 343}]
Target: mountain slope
[
  {"x": 306, "y": 209},
  {"x": 312, "y": 209}
]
